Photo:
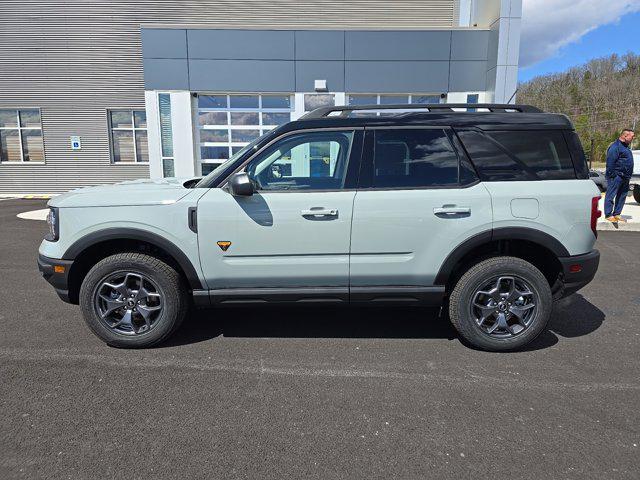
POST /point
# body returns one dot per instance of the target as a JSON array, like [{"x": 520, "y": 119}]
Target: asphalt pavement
[{"x": 317, "y": 392}]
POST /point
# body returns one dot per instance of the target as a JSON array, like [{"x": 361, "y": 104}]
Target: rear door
[{"x": 418, "y": 199}]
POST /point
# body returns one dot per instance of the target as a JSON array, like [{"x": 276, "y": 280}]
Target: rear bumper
[
  {"x": 59, "y": 280},
  {"x": 588, "y": 266}
]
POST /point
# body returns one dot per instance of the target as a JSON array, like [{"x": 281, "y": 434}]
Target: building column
[{"x": 181, "y": 134}]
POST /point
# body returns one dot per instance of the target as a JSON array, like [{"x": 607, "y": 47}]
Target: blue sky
[{"x": 620, "y": 37}]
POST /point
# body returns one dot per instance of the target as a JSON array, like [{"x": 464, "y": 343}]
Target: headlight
[{"x": 53, "y": 221}]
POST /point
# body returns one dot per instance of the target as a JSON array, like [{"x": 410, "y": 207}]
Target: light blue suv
[{"x": 490, "y": 213}]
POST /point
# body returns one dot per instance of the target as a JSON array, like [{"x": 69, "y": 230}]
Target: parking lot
[{"x": 319, "y": 392}]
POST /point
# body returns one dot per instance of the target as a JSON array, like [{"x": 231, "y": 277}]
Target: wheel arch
[
  {"x": 90, "y": 249},
  {"x": 540, "y": 248}
]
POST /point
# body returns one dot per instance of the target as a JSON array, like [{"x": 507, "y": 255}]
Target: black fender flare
[
  {"x": 154, "y": 239},
  {"x": 506, "y": 233}
]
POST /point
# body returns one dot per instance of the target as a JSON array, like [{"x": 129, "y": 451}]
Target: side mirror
[{"x": 240, "y": 185}]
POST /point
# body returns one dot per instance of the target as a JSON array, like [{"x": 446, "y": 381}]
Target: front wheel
[
  {"x": 133, "y": 300},
  {"x": 500, "y": 304}
]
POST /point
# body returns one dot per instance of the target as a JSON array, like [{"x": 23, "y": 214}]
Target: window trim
[
  {"x": 133, "y": 129},
  {"x": 224, "y": 183},
  {"x": 19, "y": 128},
  {"x": 368, "y": 159}
]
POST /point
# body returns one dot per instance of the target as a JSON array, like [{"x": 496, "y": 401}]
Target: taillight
[{"x": 595, "y": 214}]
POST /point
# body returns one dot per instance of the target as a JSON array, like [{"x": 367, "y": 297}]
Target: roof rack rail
[{"x": 492, "y": 107}]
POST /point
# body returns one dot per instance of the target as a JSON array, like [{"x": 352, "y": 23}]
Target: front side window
[
  {"x": 128, "y": 129},
  {"x": 413, "y": 158},
  {"x": 305, "y": 161},
  {"x": 21, "y": 136}
]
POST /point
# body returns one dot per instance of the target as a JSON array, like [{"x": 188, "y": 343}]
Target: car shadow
[{"x": 572, "y": 317}]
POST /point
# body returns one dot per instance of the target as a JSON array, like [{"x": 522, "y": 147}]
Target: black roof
[{"x": 490, "y": 117}]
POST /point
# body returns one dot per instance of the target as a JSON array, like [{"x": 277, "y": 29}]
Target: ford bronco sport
[{"x": 489, "y": 213}]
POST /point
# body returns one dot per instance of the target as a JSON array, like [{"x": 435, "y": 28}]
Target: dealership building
[{"x": 100, "y": 92}]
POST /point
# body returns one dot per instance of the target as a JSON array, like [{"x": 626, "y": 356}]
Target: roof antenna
[{"x": 511, "y": 98}]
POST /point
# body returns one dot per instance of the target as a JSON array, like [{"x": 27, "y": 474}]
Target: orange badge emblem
[{"x": 224, "y": 246}]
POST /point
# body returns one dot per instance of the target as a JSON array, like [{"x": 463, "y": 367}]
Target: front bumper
[
  {"x": 575, "y": 278},
  {"x": 57, "y": 277}
]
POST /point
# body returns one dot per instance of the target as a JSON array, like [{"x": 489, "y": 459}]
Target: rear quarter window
[{"x": 519, "y": 155}]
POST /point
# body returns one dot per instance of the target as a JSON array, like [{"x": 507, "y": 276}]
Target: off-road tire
[
  {"x": 466, "y": 287},
  {"x": 164, "y": 276}
]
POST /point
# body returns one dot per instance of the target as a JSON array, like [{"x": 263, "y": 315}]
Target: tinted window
[
  {"x": 491, "y": 162},
  {"x": 544, "y": 152},
  {"x": 577, "y": 154},
  {"x": 413, "y": 158},
  {"x": 308, "y": 161}
]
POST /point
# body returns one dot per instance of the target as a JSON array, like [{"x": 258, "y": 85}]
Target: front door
[{"x": 294, "y": 231}]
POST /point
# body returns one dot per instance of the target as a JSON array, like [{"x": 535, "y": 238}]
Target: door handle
[
  {"x": 445, "y": 211},
  {"x": 319, "y": 212}
]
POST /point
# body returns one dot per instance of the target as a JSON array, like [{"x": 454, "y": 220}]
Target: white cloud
[{"x": 548, "y": 25}]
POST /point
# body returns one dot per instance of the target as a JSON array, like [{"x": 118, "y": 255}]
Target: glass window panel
[
  {"x": 207, "y": 168},
  {"x": 30, "y": 118},
  {"x": 544, "y": 152},
  {"x": 276, "y": 101},
  {"x": 309, "y": 161},
  {"x": 142, "y": 148},
  {"x": 275, "y": 118},
  {"x": 392, "y": 99},
  {"x": 311, "y": 102},
  {"x": 214, "y": 135},
  {"x": 140, "y": 118},
  {"x": 32, "y": 149},
  {"x": 167, "y": 168},
  {"x": 244, "y": 101},
  {"x": 166, "y": 130},
  {"x": 121, "y": 119},
  {"x": 212, "y": 101},
  {"x": 123, "y": 146},
  {"x": 10, "y": 146},
  {"x": 8, "y": 118},
  {"x": 363, "y": 99},
  {"x": 414, "y": 158},
  {"x": 235, "y": 150},
  {"x": 214, "y": 153},
  {"x": 425, "y": 99},
  {"x": 238, "y": 136},
  {"x": 244, "y": 118},
  {"x": 212, "y": 118}
]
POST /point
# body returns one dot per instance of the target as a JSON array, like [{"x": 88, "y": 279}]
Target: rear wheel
[
  {"x": 133, "y": 300},
  {"x": 636, "y": 193},
  {"x": 502, "y": 303}
]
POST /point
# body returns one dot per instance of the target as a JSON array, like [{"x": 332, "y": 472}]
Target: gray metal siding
[
  {"x": 75, "y": 59},
  {"x": 352, "y": 61}
]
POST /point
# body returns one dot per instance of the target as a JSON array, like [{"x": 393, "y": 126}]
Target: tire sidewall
[
  {"x": 476, "y": 278},
  {"x": 167, "y": 319}
]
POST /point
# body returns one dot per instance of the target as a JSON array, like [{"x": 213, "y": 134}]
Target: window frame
[
  {"x": 368, "y": 157},
  {"x": 354, "y": 160},
  {"x": 133, "y": 129},
  {"x": 19, "y": 129}
]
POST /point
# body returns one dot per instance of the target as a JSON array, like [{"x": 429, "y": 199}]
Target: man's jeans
[{"x": 617, "y": 189}]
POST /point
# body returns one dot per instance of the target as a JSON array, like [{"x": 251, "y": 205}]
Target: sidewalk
[{"x": 631, "y": 213}]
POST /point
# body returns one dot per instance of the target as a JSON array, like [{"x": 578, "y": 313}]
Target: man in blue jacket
[{"x": 619, "y": 171}]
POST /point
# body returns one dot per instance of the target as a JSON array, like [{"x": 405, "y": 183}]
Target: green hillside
[{"x": 601, "y": 98}]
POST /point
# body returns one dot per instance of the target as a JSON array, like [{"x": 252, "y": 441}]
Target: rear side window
[
  {"x": 577, "y": 154},
  {"x": 519, "y": 155},
  {"x": 413, "y": 158},
  {"x": 543, "y": 151}
]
